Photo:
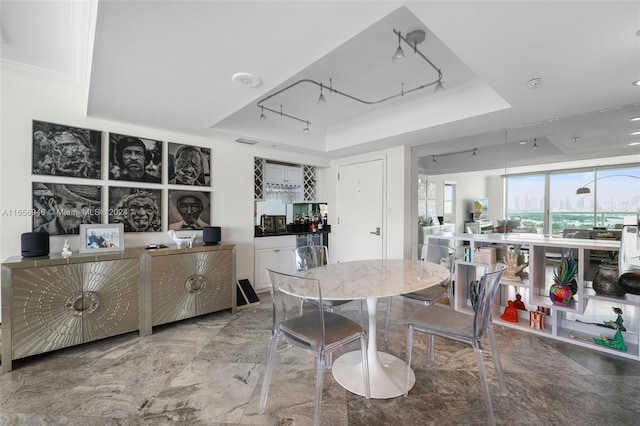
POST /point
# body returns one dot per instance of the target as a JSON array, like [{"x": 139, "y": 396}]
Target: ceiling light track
[
  {"x": 415, "y": 38},
  {"x": 473, "y": 152}
]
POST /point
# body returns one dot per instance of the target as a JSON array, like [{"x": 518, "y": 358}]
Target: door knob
[{"x": 377, "y": 231}]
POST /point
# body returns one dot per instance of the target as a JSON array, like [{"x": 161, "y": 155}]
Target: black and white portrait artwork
[
  {"x": 135, "y": 159},
  {"x": 189, "y": 165},
  {"x": 189, "y": 210},
  {"x": 60, "y": 150},
  {"x": 138, "y": 209},
  {"x": 60, "y": 209}
]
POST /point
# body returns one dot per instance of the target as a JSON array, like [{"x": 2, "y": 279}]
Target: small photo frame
[
  {"x": 280, "y": 223},
  {"x": 102, "y": 238},
  {"x": 269, "y": 224}
]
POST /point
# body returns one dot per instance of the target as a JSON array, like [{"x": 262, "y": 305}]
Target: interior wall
[{"x": 24, "y": 99}]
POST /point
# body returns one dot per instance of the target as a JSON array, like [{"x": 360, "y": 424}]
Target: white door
[{"x": 359, "y": 211}]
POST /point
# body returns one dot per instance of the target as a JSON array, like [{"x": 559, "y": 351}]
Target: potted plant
[{"x": 564, "y": 282}]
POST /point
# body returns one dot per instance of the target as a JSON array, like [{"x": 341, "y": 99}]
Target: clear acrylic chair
[
  {"x": 315, "y": 331},
  {"x": 442, "y": 255},
  {"x": 306, "y": 257},
  {"x": 464, "y": 328}
]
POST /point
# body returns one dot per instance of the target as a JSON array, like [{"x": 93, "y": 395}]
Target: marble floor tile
[{"x": 208, "y": 371}]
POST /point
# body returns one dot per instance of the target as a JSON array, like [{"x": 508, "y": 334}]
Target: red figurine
[
  {"x": 510, "y": 312},
  {"x": 519, "y": 304}
]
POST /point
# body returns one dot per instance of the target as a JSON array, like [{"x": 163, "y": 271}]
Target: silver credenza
[
  {"x": 53, "y": 302},
  {"x": 187, "y": 282}
]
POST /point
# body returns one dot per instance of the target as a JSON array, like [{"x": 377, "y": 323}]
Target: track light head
[
  {"x": 399, "y": 55},
  {"x": 262, "y": 116},
  {"x": 535, "y": 144},
  {"x": 321, "y": 99},
  {"x": 306, "y": 129}
]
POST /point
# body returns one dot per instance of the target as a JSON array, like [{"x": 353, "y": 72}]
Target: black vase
[
  {"x": 630, "y": 282},
  {"x": 605, "y": 282}
]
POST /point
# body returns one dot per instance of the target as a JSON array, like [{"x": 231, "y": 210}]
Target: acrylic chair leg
[
  {"x": 266, "y": 382},
  {"x": 365, "y": 370},
  {"x": 430, "y": 351},
  {"x": 319, "y": 378},
  {"x": 496, "y": 360},
  {"x": 407, "y": 366},
  {"x": 485, "y": 385}
]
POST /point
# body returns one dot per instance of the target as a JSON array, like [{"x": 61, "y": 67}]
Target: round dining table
[{"x": 372, "y": 280}]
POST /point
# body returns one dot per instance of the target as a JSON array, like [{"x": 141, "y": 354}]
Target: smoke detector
[
  {"x": 534, "y": 82},
  {"x": 246, "y": 79}
]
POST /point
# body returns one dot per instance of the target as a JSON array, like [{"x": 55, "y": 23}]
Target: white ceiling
[{"x": 168, "y": 65}]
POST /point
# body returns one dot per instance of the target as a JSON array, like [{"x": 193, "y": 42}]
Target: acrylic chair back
[
  {"x": 435, "y": 253},
  {"x": 489, "y": 285},
  {"x": 306, "y": 257},
  {"x": 307, "y": 330}
]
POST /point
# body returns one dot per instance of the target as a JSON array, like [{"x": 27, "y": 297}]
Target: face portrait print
[
  {"x": 61, "y": 209},
  {"x": 135, "y": 159},
  {"x": 137, "y": 209},
  {"x": 60, "y": 150},
  {"x": 188, "y": 210},
  {"x": 188, "y": 165}
]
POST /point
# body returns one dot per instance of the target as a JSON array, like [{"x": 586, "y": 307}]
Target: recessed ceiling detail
[{"x": 412, "y": 40}]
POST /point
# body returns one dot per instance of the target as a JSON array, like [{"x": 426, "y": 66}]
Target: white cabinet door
[
  {"x": 274, "y": 173},
  {"x": 278, "y": 259},
  {"x": 286, "y": 175},
  {"x": 293, "y": 175}
]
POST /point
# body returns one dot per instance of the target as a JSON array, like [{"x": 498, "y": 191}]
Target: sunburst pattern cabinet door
[
  {"x": 59, "y": 306},
  {"x": 186, "y": 285}
]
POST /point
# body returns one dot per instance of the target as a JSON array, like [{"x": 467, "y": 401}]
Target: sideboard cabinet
[
  {"x": 53, "y": 302},
  {"x": 187, "y": 282}
]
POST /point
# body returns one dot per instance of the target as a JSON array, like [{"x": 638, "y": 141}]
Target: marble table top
[{"x": 364, "y": 279}]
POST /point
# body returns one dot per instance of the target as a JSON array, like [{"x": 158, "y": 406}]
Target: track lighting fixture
[
  {"x": 399, "y": 55},
  {"x": 306, "y": 129},
  {"x": 472, "y": 151},
  {"x": 412, "y": 39},
  {"x": 321, "y": 99},
  {"x": 535, "y": 144}
]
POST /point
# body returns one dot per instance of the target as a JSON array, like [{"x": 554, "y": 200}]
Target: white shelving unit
[{"x": 573, "y": 323}]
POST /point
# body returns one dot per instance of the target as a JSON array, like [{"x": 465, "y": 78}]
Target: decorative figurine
[
  {"x": 564, "y": 283},
  {"x": 66, "y": 251},
  {"x": 617, "y": 341},
  {"x": 536, "y": 320},
  {"x": 519, "y": 304},
  {"x": 181, "y": 240},
  {"x": 616, "y": 325},
  {"x": 511, "y": 260},
  {"x": 510, "y": 312}
]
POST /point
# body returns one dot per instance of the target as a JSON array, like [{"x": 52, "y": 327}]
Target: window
[
  {"x": 525, "y": 201},
  {"x": 613, "y": 194}
]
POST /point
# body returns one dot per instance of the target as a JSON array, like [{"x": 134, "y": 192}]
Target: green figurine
[{"x": 617, "y": 342}]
